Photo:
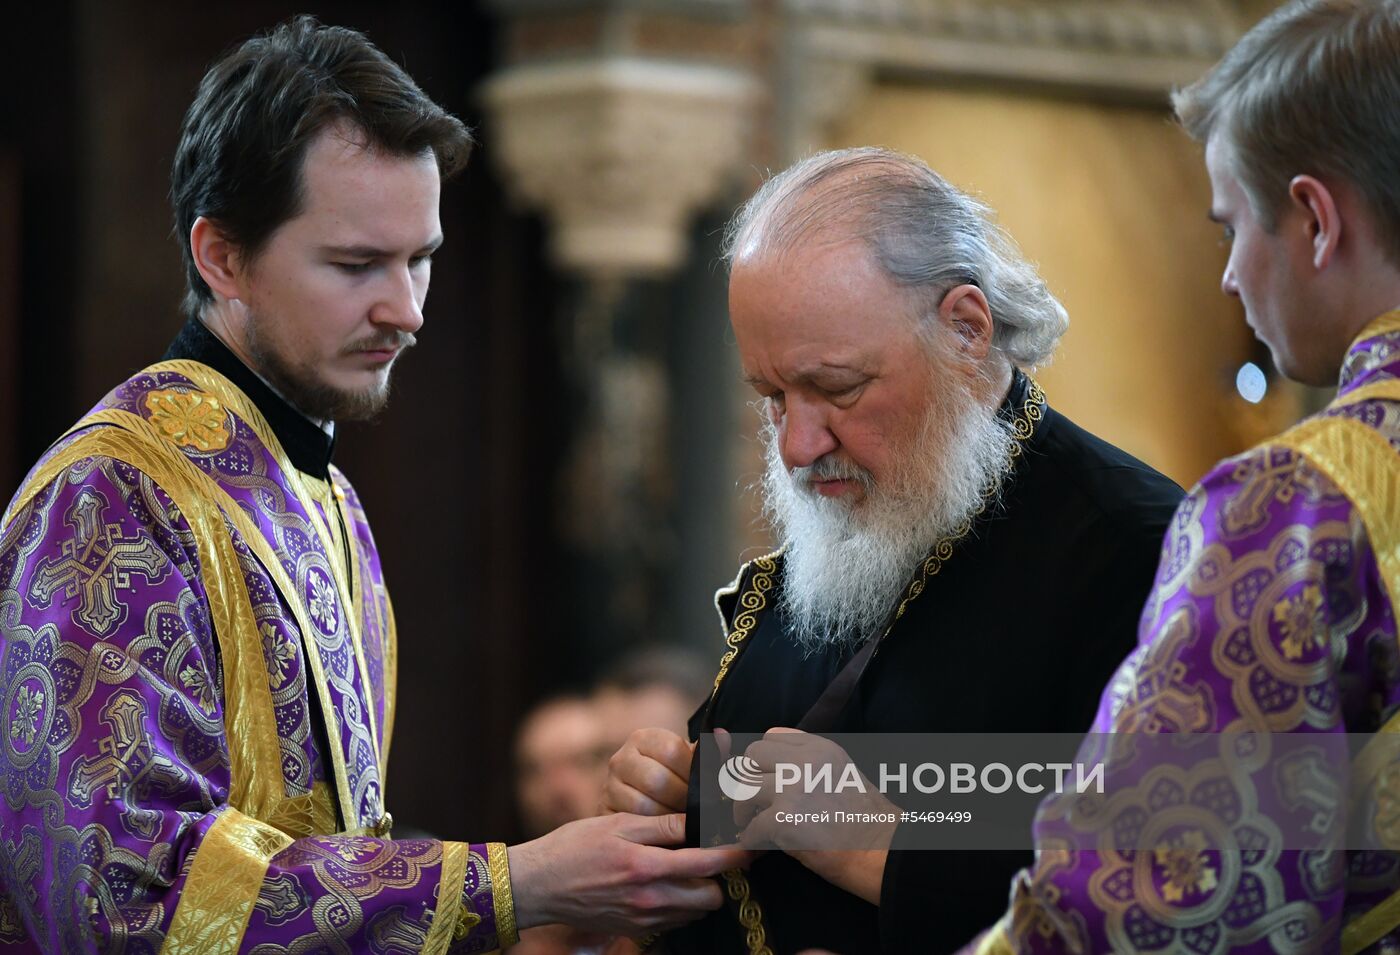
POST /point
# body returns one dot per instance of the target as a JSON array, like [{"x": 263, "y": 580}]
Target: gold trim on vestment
[
  {"x": 502, "y": 896},
  {"x": 736, "y": 884},
  {"x": 455, "y": 856},
  {"x": 1385, "y": 390},
  {"x": 225, "y": 879},
  {"x": 213, "y": 494},
  {"x": 995, "y": 941},
  {"x": 1380, "y": 325},
  {"x": 755, "y": 598},
  {"x": 240, "y": 404},
  {"x": 310, "y": 815},
  {"x": 255, "y": 759},
  {"x": 751, "y": 602},
  {"x": 390, "y": 658},
  {"x": 1364, "y": 467}
]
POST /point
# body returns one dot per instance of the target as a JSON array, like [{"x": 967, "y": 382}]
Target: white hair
[
  {"x": 923, "y": 232},
  {"x": 845, "y": 566}
]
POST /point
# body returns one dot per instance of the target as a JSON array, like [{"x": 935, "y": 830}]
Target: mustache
[
  {"x": 830, "y": 468},
  {"x": 394, "y": 340}
]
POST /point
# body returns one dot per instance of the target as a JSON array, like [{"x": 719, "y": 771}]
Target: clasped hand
[{"x": 650, "y": 774}]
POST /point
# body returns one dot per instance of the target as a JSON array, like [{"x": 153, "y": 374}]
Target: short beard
[
  {"x": 845, "y": 565},
  {"x": 302, "y": 386}
]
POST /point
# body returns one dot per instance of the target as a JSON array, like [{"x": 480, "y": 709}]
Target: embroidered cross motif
[
  {"x": 126, "y": 761},
  {"x": 1155, "y": 693},
  {"x": 1263, "y": 478},
  {"x": 95, "y": 563}
]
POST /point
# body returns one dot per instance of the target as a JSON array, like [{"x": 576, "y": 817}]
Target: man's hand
[
  {"x": 609, "y": 874},
  {"x": 649, "y": 774},
  {"x": 859, "y": 868}
]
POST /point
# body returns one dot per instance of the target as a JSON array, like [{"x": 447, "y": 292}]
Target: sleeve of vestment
[
  {"x": 1270, "y": 613},
  {"x": 116, "y": 829}
]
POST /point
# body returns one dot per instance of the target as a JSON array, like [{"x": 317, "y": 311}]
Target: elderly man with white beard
[{"x": 929, "y": 504}]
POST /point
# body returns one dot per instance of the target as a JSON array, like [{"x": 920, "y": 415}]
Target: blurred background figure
[
  {"x": 561, "y": 758},
  {"x": 659, "y": 686}
]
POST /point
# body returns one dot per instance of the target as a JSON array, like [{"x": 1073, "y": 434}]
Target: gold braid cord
[{"x": 755, "y": 598}]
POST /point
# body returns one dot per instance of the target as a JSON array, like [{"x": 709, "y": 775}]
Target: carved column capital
[{"x": 618, "y": 152}]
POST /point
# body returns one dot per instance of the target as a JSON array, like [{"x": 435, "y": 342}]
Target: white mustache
[{"x": 827, "y": 468}]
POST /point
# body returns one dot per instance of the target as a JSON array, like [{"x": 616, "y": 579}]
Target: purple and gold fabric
[
  {"x": 1273, "y": 611},
  {"x": 177, "y": 606}
]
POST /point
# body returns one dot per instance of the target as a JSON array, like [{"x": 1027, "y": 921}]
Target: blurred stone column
[{"x": 619, "y": 122}]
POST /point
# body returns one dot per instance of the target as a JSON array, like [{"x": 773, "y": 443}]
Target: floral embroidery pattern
[
  {"x": 1185, "y": 861},
  {"x": 189, "y": 418},
  {"x": 1302, "y": 621},
  {"x": 29, "y": 704},
  {"x": 322, "y": 603},
  {"x": 350, "y": 848},
  {"x": 279, "y": 650},
  {"x": 197, "y": 683}
]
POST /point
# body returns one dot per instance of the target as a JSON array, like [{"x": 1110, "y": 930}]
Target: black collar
[
  {"x": 1016, "y": 395},
  {"x": 308, "y": 447}
]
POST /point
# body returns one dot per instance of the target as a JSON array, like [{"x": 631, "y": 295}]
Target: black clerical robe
[{"x": 1016, "y": 632}]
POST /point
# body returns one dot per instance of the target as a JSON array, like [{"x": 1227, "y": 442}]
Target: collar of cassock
[
  {"x": 1016, "y": 395},
  {"x": 307, "y": 445}
]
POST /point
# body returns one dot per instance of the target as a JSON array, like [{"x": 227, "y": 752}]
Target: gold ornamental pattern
[{"x": 192, "y": 419}]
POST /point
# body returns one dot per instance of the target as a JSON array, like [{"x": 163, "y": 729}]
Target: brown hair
[
  {"x": 1311, "y": 89},
  {"x": 242, "y": 144}
]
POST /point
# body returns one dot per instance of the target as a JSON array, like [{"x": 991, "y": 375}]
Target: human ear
[
  {"x": 964, "y": 309},
  {"x": 216, "y": 259},
  {"x": 1321, "y": 218}
]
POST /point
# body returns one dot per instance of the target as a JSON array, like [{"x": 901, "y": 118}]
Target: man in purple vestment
[
  {"x": 197, "y": 649},
  {"x": 1275, "y": 601}
]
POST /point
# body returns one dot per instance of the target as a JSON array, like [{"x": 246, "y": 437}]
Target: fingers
[
  {"x": 667, "y": 905},
  {"x": 618, "y": 796},
  {"x": 650, "y": 774},
  {"x": 786, "y": 747},
  {"x": 703, "y": 863},
  {"x": 761, "y": 833},
  {"x": 656, "y": 781},
  {"x": 724, "y": 743},
  {"x": 695, "y": 895},
  {"x": 667, "y": 749},
  {"x": 667, "y": 830}
]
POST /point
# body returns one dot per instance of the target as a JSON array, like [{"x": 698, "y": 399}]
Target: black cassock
[{"x": 1016, "y": 632}]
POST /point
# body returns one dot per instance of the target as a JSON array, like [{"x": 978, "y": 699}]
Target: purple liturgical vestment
[
  {"x": 197, "y": 661},
  {"x": 1273, "y": 611}
]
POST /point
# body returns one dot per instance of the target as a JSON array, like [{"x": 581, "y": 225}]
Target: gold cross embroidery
[
  {"x": 95, "y": 563},
  {"x": 127, "y": 764}
]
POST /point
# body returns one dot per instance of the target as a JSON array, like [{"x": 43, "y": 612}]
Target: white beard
[{"x": 846, "y": 565}]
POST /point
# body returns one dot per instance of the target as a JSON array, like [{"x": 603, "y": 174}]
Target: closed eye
[
  {"x": 844, "y": 393},
  {"x": 353, "y": 268}
]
